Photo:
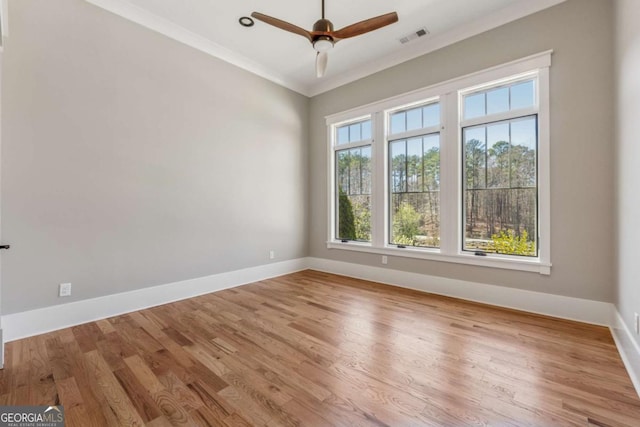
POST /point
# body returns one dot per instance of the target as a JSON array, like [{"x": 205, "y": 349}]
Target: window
[
  {"x": 499, "y": 163},
  {"x": 457, "y": 172},
  {"x": 353, "y": 179},
  {"x": 414, "y": 174}
]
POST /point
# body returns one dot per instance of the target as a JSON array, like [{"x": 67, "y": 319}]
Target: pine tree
[{"x": 346, "y": 222}]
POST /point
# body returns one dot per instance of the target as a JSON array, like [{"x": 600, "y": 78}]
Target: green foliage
[
  {"x": 406, "y": 225},
  {"x": 431, "y": 163},
  {"x": 510, "y": 244},
  {"x": 346, "y": 222},
  {"x": 403, "y": 240},
  {"x": 362, "y": 222}
]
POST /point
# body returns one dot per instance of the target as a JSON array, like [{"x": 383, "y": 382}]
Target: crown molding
[
  {"x": 143, "y": 17},
  {"x": 176, "y": 32},
  {"x": 435, "y": 42}
]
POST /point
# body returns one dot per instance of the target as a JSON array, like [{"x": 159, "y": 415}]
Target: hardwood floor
[{"x": 316, "y": 349}]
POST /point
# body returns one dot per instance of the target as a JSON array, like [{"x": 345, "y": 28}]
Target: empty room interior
[{"x": 320, "y": 213}]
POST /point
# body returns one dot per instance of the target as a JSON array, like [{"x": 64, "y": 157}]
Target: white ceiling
[{"x": 288, "y": 59}]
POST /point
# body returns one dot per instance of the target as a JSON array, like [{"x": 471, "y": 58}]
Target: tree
[
  {"x": 406, "y": 224},
  {"x": 431, "y": 165},
  {"x": 346, "y": 222},
  {"x": 398, "y": 173},
  {"x": 362, "y": 218},
  {"x": 475, "y": 163}
]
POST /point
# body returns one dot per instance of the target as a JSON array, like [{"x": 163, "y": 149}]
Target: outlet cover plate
[{"x": 64, "y": 290}]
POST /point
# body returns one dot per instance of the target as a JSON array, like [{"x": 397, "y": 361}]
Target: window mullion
[
  {"x": 379, "y": 212},
  {"x": 332, "y": 180},
  {"x": 450, "y": 189},
  {"x": 544, "y": 185},
  {"x": 413, "y": 133},
  {"x": 499, "y": 117}
]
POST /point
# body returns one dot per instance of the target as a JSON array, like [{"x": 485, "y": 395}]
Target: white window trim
[{"x": 450, "y": 131}]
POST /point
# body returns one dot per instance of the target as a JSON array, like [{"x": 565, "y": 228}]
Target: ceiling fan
[{"x": 323, "y": 37}]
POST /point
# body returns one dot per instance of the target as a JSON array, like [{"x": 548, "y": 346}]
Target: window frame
[
  {"x": 406, "y": 135},
  {"x": 492, "y": 119},
  {"x": 449, "y": 95},
  {"x": 335, "y": 148}
]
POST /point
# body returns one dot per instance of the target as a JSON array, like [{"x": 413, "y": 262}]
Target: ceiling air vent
[{"x": 415, "y": 35}]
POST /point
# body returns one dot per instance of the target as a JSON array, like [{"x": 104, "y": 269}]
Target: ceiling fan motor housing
[{"x": 322, "y": 26}]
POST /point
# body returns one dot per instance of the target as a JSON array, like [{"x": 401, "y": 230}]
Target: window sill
[{"x": 493, "y": 261}]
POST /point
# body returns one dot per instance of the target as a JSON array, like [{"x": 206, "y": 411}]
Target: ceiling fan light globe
[
  {"x": 321, "y": 64},
  {"x": 322, "y": 45}
]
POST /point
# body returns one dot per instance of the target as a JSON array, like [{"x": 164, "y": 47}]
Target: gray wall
[
  {"x": 130, "y": 160},
  {"x": 582, "y": 149},
  {"x": 628, "y": 177}
]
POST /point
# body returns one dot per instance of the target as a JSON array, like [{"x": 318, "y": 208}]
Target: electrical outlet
[
  {"x": 636, "y": 324},
  {"x": 384, "y": 259},
  {"x": 64, "y": 290},
  {"x": 272, "y": 254}
]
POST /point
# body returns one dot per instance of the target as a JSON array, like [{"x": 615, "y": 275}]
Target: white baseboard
[
  {"x": 628, "y": 348},
  {"x": 39, "y": 321},
  {"x": 583, "y": 310},
  {"x": 25, "y": 324}
]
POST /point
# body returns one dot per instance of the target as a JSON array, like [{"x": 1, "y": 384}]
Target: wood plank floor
[{"x": 316, "y": 349}]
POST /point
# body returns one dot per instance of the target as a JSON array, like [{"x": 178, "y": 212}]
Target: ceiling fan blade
[
  {"x": 365, "y": 26},
  {"x": 321, "y": 63},
  {"x": 283, "y": 25}
]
